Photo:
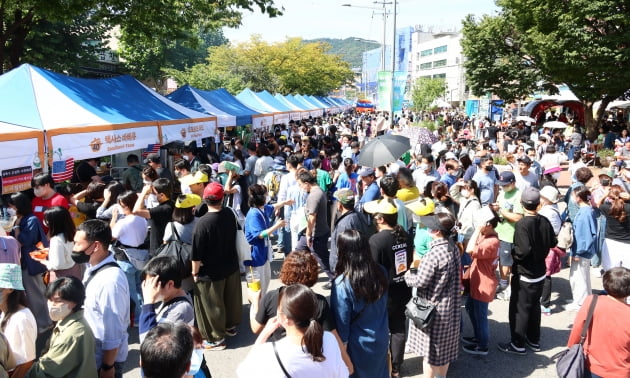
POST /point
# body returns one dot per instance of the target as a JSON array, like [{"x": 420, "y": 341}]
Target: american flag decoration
[
  {"x": 62, "y": 170},
  {"x": 152, "y": 149}
]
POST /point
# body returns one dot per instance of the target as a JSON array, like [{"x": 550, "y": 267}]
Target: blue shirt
[
  {"x": 585, "y": 233},
  {"x": 255, "y": 222},
  {"x": 371, "y": 193},
  {"x": 486, "y": 182}
]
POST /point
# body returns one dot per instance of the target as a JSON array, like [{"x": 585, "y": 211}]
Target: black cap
[{"x": 155, "y": 158}]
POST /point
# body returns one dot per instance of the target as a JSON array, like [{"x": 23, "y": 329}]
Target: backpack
[
  {"x": 272, "y": 182},
  {"x": 565, "y": 235},
  {"x": 179, "y": 250}
]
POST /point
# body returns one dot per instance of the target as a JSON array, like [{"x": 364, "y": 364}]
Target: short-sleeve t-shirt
[
  {"x": 130, "y": 230},
  {"x": 393, "y": 256},
  {"x": 509, "y": 201},
  {"x": 269, "y": 308},
  {"x": 485, "y": 181},
  {"x": 316, "y": 203},
  {"x": 161, "y": 215},
  {"x": 40, "y": 205}
]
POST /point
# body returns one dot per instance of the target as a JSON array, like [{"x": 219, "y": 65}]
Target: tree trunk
[{"x": 591, "y": 122}]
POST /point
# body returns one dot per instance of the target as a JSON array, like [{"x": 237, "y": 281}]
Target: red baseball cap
[{"x": 213, "y": 192}]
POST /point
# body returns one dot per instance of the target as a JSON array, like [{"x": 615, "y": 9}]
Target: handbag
[
  {"x": 179, "y": 250},
  {"x": 571, "y": 362},
  {"x": 421, "y": 312},
  {"x": 243, "y": 249}
]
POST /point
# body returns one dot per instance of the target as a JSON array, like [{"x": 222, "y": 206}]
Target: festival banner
[
  {"x": 400, "y": 82},
  {"x": 384, "y": 91},
  {"x": 17, "y": 179}
]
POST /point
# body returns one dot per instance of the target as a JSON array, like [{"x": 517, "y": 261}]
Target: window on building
[
  {"x": 425, "y": 66},
  {"x": 439, "y": 63},
  {"x": 426, "y": 52},
  {"x": 439, "y": 76},
  {"x": 440, "y": 49}
]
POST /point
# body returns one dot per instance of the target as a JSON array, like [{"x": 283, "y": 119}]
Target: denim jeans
[
  {"x": 135, "y": 291},
  {"x": 478, "y": 313}
]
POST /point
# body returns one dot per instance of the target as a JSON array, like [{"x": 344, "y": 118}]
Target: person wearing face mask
[
  {"x": 182, "y": 173},
  {"x": 466, "y": 193},
  {"x": 45, "y": 196},
  {"x": 71, "y": 348},
  {"x": 29, "y": 232},
  {"x": 452, "y": 173},
  {"x": 508, "y": 206},
  {"x": 17, "y": 322},
  {"x": 438, "y": 280},
  {"x": 486, "y": 179},
  {"x": 106, "y": 290},
  {"x": 159, "y": 216},
  {"x": 190, "y": 154}
]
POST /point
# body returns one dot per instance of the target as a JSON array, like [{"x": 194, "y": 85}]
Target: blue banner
[{"x": 400, "y": 82}]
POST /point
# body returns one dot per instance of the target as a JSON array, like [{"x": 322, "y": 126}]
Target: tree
[
  {"x": 581, "y": 43},
  {"x": 149, "y": 57},
  {"x": 291, "y": 66},
  {"x": 138, "y": 20},
  {"x": 425, "y": 91}
]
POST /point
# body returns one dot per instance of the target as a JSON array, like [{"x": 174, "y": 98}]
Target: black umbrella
[{"x": 383, "y": 150}]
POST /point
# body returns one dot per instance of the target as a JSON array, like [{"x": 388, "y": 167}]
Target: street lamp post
[
  {"x": 393, "y": 60},
  {"x": 384, "y": 13}
]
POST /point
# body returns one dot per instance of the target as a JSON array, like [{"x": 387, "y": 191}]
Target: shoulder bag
[
  {"x": 243, "y": 249},
  {"x": 421, "y": 312},
  {"x": 179, "y": 250},
  {"x": 571, "y": 362}
]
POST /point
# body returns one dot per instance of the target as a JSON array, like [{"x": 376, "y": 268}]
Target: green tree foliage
[
  {"x": 581, "y": 43},
  {"x": 425, "y": 90},
  {"x": 292, "y": 66},
  {"x": 138, "y": 21},
  {"x": 350, "y": 49},
  {"x": 149, "y": 57}
]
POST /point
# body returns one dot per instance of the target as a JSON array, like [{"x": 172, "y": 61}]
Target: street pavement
[
  {"x": 554, "y": 334},
  {"x": 555, "y": 331}
]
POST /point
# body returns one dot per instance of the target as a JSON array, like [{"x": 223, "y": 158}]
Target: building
[{"x": 439, "y": 55}]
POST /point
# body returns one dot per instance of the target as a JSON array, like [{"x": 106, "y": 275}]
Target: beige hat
[{"x": 550, "y": 193}]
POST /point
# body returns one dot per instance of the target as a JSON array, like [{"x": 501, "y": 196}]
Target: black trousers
[
  {"x": 396, "y": 301},
  {"x": 545, "y": 299},
  {"x": 524, "y": 312}
]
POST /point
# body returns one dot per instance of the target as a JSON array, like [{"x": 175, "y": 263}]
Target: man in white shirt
[{"x": 106, "y": 307}]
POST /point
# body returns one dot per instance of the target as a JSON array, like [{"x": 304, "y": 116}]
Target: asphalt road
[{"x": 554, "y": 329}]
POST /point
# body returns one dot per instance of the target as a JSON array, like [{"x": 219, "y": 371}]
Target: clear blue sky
[{"x": 311, "y": 19}]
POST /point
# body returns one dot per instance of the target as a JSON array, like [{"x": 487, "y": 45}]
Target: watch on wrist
[{"x": 106, "y": 367}]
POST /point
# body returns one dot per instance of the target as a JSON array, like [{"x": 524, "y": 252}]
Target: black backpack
[{"x": 179, "y": 250}]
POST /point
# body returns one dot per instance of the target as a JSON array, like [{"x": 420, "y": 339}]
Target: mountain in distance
[{"x": 351, "y": 49}]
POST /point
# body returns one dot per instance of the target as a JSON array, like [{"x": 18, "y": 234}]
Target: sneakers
[
  {"x": 231, "y": 331},
  {"x": 545, "y": 310},
  {"x": 501, "y": 288},
  {"x": 327, "y": 286},
  {"x": 469, "y": 340},
  {"x": 214, "y": 345},
  {"x": 475, "y": 349},
  {"x": 533, "y": 346},
  {"x": 511, "y": 349},
  {"x": 504, "y": 296}
]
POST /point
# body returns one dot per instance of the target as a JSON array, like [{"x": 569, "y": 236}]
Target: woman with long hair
[
  {"x": 359, "y": 302},
  {"x": 443, "y": 201},
  {"x": 390, "y": 247},
  {"x": 438, "y": 281},
  {"x": 583, "y": 247},
  {"x": 130, "y": 249},
  {"x": 299, "y": 267},
  {"x": 61, "y": 233},
  {"x": 110, "y": 200},
  {"x": 29, "y": 232},
  {"x": 307, "y": 350},
  {"x": 17, "y": 322},
  {"x": 615, "y": 206}
]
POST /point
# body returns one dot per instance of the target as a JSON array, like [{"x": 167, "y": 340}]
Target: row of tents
[{"x": 46, "y": 116}]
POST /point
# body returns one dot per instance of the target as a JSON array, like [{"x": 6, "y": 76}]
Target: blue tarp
[{"x": 218, "y": 102}]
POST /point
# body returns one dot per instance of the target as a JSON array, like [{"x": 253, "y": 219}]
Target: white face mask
[
  {"x": 195, "y": 361},
  {"x": 146, "y": 182},
  {"x": 185, "y": 157},
  {"x": 58, "y": 312},
  {"x": 39, "y": 191},
  {"x": 465, "y": 193},
  {"x": 423, "y": 167},
  {"x": 11, "y": 212}
]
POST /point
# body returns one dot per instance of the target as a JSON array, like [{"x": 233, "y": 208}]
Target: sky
[{"x": 312, "y": 19}]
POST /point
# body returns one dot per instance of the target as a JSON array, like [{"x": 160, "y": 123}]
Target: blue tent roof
[
  {"x": 299, "y": 103},
  {"x": 41, "y": 99},
  {"x": 269, "y": 99},
  {"x": 252, "y": 100},
  {"x": 290, "y": 104},
  {"x": 218, "y": 102},
  {"x": 315, "y": 101}
]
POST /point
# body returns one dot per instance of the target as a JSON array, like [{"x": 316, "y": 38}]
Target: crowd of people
[{"x": 473, "y": 217}]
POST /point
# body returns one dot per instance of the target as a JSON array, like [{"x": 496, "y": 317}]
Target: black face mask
[
  {"x": 79, "y": 257},
  {"x": 489, "y": 168}
]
